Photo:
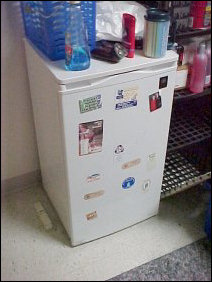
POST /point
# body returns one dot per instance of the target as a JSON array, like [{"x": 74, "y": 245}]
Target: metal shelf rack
[
  {"x": 193, "y": 33},
  {"x": 185, "y": 94},
  {"x": 188, "y": 160},
  {"x": 180, "y": 174},
  {"x": 189, "y": 146},
  {"x": 187, "y": 127}
]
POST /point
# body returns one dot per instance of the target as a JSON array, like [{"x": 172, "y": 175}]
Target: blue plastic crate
[{"x": 45, "y": 25}]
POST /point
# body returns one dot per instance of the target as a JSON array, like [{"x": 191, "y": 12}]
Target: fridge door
[{"x": 115, "y": 135}]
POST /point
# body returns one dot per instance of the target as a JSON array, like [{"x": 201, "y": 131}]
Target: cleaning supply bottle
[
  {"x": 76, "y": 40},
  {"x": 208, "y": 68},
  {"x": 189, "y": 55},
  {"x": 198, "y": 70}
]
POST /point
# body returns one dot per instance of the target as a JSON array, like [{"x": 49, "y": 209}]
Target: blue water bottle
[{"x": 76, "y": 40}]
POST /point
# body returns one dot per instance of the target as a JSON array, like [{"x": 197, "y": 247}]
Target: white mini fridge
[{"x": 102, "y": 135}]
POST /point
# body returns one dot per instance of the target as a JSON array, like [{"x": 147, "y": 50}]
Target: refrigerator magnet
[
  {"x": 90, "y": 137},
  {"x": 91, "y": 215},
  {"x": 90, "y": 104},
  {"x": 126, "y": 98},
  {"x": 128, "y": 183},
  {"x": 93, "y": 177},
  {"x": 94, "y": 195},
  {"x": 155, "y": 102},
  {"x": 131, "y": 164},
  {"x": 119, "y": 149},
  {"x": 146, "y": 185},
  {"x": 163, "y": 82},
  {"x": 119, "y": 153}
]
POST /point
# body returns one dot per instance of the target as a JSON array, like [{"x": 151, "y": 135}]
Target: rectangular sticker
[
  {"x": 90, "y": 137},
  {"x": 131, "y": 164},
  {"x": 126, "y": 98},
  {"x": 91, "y": 215},
  {"x": 94, "y": 195},
  {"x": 90, "y": 104}
]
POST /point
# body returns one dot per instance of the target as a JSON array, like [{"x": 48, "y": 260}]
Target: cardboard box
[{"x": 181, "y": 77}]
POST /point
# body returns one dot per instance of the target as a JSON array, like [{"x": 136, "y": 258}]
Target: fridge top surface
[{"x": 99, "y": 68}]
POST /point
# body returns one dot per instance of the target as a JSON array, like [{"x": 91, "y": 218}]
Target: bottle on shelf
[
  {"x": 198, "y": 72},
  {"x": 76, "y": 40},
  {"x": 179, "y": 49},
  {"x": 190, "y": 52},
  {"x": 128, "y": 36},
  {"x": 208, "y": 68}
]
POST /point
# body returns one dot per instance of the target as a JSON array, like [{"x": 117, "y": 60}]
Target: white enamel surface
[
  {"x": 141, "y": 132},
  {"x": 100, "y": 68}
]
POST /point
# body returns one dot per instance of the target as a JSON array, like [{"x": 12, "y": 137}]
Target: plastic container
[
  {"x": 189, "y": 57},
  {"x": 128, "y": 38},
  {"x": 45, "y": 23},
  {"x": 109, "y": 51},
  {"x": 179, "y": 49},
  {"x": 76, "y": 40},
  {"x": 156, "y": 31},
  {"x": 208, "y": 68},
  {"x": 198, "y": 71}
]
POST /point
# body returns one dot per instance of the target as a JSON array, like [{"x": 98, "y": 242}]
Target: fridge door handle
[
  {"x": 167, "y": 67},
  {"x": 98, "y": 82},
  {"x": 109, "y": 80},
  {"x": 76, "y": 86}
]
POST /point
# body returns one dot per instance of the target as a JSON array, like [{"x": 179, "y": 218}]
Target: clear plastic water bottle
[{"x": 76, "y": 40}]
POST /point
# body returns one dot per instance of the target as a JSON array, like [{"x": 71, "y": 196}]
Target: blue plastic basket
[{"x": 45, "y": 25}]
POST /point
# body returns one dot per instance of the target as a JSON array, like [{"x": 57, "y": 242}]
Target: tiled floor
[{"x": 31, "y": 253}]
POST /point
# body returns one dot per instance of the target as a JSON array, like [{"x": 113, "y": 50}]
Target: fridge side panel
[{"x": 46, "y": 111}]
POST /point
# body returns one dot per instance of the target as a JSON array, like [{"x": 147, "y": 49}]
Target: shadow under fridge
[{"x": 102, "y": 137}]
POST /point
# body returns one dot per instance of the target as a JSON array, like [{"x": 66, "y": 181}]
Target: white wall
[{"x": 19, "y": 149}]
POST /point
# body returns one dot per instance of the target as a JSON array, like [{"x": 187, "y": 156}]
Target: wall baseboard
[{"x": 21, "y": 182}]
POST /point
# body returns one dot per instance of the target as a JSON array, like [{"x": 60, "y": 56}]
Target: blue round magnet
[{"x": 129, "y": 182}]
